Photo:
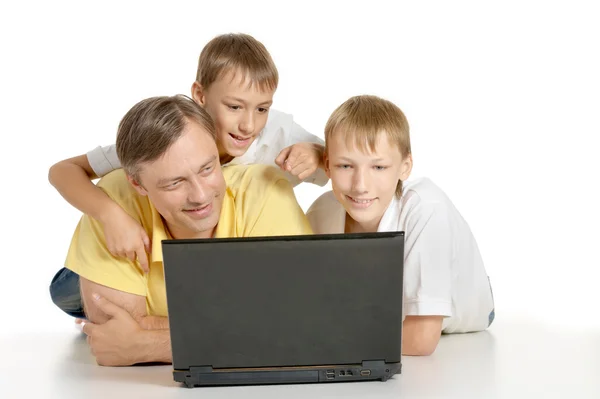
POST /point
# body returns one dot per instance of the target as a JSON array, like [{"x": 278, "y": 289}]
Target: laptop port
[
  {"x": 330, "y": 374},
  {"x": 349, "y": 372},
  {"x": 365, "y": 373},
  {"x": 342, "y": 372}
]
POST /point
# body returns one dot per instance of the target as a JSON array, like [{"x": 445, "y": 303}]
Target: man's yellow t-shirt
[{"x": 259, "y": 201}]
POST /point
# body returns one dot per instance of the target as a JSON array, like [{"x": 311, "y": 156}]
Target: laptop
[{"x": 287, "y": 309}]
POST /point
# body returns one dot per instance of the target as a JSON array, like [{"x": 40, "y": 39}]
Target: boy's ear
[
  {"x": 407, "y": 164},
  {"x": 326, "y": 164},
  {"x": 198, "y": 94},
  {"x": 137, "y": 186}
]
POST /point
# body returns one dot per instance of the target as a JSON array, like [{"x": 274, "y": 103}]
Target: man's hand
[
  {"x": 116, "y": 342},
  {"x": 125, "y": 237},
  {"x": 301, "y": 159}
]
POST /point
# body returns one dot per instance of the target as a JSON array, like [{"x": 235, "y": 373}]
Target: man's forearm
[
  {"x": 154, "y": 323},
  {"x": 154, "y": 346}
]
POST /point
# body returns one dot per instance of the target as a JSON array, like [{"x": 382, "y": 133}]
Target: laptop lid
[{"x": 285, "y": 301}]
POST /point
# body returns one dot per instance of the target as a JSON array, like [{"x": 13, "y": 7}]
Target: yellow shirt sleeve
[
  {"x": 88, "y": 254},
  {"x": 267, "y": 204}
]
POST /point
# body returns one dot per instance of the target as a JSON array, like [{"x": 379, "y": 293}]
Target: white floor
[{"x": 513, "y": 359}]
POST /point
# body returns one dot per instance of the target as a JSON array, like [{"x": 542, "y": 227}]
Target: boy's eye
[
  {"x": 379, "y": 167},
  {"x": 234, "y": 107},
  {"x": 344, "y": 166},
  {"x": 263, "y": 110}
]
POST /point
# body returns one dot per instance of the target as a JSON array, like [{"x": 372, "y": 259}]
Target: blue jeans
[
  {"x": 492, "y": 315},
  {"x": 65, "y": 293}
]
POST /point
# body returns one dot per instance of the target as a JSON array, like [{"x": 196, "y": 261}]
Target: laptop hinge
[{"x": 201, "y": 369}]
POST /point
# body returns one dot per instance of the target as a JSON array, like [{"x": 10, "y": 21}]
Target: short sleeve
[
  {"x": 104, "y": 160},
  {"x": 427, "y": 262}
]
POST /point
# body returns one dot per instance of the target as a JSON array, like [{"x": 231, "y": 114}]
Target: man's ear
[
  {"x": 326, "y": 164},
  {"x": 406, "y": 168},
  {"x": 137, "y": 186},
  {"x": 198, "y": 94}
]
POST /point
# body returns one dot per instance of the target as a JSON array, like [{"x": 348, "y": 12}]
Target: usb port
[
  {"x": 330, "y": 374},
  {"x": 365, "y": 373}
]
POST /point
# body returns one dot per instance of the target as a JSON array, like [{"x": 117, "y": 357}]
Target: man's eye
[
  {"x": 380, "y": 167},
  {"x": 263, "y": 110},
  {"x": 172, "y": 185}
]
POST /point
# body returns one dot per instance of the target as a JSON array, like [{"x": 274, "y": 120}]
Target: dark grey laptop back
[{"x": 285, "y": 301}]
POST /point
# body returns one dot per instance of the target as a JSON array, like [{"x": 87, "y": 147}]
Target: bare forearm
[
  {"x": 75, "y": 186},
  {"x": 420, "y": 335},
  {"x": 155, "y": 346},
  {"x": 154, "y": 323}
]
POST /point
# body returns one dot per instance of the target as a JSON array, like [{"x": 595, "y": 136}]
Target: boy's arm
[
  {"x": 73, "y": 177},
  {"x": 420, "y": 335},
  {"x": 115, "y": 333},
  {"x": 427, "y": 278}
]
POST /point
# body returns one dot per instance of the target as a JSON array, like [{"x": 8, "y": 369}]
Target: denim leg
[
  {"x": 64, "y": 291},
  {"x": 492, "y": 315}
]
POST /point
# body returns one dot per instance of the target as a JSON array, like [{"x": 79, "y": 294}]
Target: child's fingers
[
  {"x": 283, "y": 155},
  {"x": 303, "y": 169}
]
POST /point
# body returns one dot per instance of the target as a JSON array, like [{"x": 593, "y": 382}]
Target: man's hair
[
  {"x": 237, "y": 52},
  {"x": 149, "y": 128},
  {"x": 361, "y": 119}
]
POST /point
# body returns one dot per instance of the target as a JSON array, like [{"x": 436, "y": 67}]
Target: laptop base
[{"x": 207, "y": 376}]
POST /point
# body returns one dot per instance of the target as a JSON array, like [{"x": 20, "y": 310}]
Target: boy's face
[
  {"x": 365, "y": 182},
  {"x": 186, "y": 185},
  {"x": 240, "y": 111}
]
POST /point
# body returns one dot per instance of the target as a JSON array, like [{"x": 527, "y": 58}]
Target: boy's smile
[
  {"x": 239, "y": 108},
  {"x": 364, "y": 181}
]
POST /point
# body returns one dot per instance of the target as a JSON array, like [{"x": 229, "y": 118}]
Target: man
[{"x": 173, "y": 185}]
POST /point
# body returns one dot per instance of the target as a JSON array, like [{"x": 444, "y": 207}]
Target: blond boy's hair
[
  {"x": 237, "y": 52},
  {"x": 361, "y": 119}
]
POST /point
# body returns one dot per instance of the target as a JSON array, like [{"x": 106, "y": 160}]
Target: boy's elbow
[
  {"x": 421, "y": 335},
  {"x": 421, "y": 347}
]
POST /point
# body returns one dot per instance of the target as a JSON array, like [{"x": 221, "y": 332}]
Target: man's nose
[{"x": 198, "y": 193}]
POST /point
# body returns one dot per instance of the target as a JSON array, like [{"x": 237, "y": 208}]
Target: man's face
[
  {"x": 365, "y": 182},
  {"x": 239, "y": 111},
  {"x": 186, "y": 184}
]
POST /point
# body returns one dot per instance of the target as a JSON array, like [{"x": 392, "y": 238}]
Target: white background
[{"x": 503, "y": 101}]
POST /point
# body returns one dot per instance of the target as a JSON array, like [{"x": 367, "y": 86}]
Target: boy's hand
[
  {"x": 301, "y": 159},
  {"x": 125, "y": 237}
]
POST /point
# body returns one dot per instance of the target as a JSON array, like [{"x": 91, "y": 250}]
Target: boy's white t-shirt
[
  {"x": 279, "y": 132},
  {"x": 444, "y": 273}
]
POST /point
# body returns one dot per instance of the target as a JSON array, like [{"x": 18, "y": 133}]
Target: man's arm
[
  {"x": 420, "y": 335},
  {"x": 116, "y": 332}
]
